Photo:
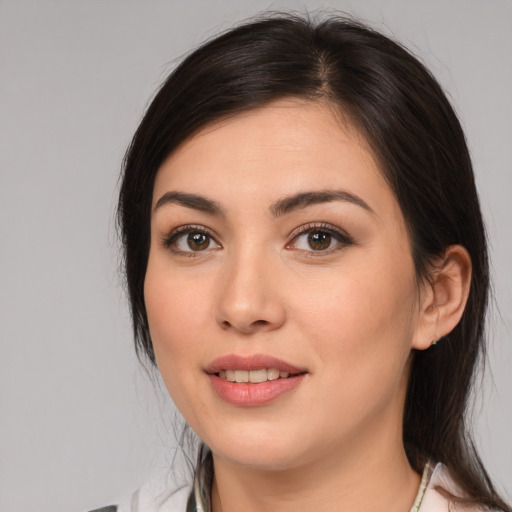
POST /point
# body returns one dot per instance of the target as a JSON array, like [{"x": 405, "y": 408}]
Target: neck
[{"x": 370, "y": 477}]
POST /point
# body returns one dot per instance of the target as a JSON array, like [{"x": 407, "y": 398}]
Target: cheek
[
  {"x": 175, "y": 317},
  {"x": 363, "y": 321},
  {"x": 175, "y": 304}
]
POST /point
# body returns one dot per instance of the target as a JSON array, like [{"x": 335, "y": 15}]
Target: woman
[{"x": 307, "y": 267}]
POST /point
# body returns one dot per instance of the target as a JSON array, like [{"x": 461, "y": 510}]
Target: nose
[{"x": 250, "y": 300}]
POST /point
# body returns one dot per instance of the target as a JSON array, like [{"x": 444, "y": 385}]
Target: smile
[
  {"x": 254, "y": 380},
  {"x": 253, "y": 376}
]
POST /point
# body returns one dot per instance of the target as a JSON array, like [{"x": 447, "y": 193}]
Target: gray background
[{"x": 80, "y": 421}]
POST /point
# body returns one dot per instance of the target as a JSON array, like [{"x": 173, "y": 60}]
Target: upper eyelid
[
  {"x": 342, "y": 238},
  {"x": 319, "y": 226},
  {"x": 170, "y": 236},
  {"x": 191, "y": 227}
]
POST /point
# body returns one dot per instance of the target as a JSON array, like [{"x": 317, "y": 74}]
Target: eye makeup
[
  {"x": 319, "y": 238},
  {"x": 190, "y": 239},
  {"x": 313, "y": 238}
]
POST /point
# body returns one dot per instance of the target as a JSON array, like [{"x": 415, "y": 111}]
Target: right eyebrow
[{"x": 193, "y": 201}]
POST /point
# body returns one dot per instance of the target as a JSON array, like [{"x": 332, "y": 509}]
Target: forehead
[{"x": 285, "y": 147}]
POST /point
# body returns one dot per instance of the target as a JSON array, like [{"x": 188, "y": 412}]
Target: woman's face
[{"x": 277, "y": 246}]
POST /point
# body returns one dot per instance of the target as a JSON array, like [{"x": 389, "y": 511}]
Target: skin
[{"x": 349, "y": 314}]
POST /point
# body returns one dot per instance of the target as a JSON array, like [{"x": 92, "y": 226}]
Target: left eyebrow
[{"x": 305, "y": 199}]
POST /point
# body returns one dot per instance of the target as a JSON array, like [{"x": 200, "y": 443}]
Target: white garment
[
  {"x": 433, "y": 501},
  {"x": 154, "y": 496}
]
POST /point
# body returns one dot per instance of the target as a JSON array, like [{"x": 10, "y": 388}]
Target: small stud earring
[{"x": 437, "y": 339}]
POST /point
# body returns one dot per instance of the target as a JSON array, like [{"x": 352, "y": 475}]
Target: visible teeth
[
  {"x": 253, "y": 376},
  {"x": 272, "y": 373},
  {"x": 258, "y": 375},
  {"x": 241, "y": 375}
]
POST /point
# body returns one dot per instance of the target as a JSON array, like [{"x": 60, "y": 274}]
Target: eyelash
[
  {"x": 343, "y": 238},
  {"x": 339, "y": 235},
  {"x": 170, "y": 239}
]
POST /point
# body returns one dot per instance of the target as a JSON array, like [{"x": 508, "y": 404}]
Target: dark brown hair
[{"x": 406, "y": 118}]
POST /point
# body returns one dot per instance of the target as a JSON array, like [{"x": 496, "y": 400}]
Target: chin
[
  {"x": 259, "y": 460},
  {"x": 269, "y": 452}
]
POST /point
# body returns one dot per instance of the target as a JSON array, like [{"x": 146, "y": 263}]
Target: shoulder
[
  {"x": 440, "y": 486},
  {"x": 157, "y": 494}
]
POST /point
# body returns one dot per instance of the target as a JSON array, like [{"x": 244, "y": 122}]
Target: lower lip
[{"x": 251, "y": 395}]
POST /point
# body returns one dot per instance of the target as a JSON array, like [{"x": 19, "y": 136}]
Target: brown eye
[
  {"x": 198, "y": 241},
  {"x": 190, "y": 240},
  {"x": 319, "y": 241}
]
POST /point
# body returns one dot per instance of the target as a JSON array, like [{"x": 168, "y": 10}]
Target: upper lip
[{"x": 251, "y": 362}]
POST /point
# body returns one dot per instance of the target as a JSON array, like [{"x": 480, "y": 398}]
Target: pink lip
[
  {"x": 251, "y": 395},
  {"x": 253, "y": 362}
]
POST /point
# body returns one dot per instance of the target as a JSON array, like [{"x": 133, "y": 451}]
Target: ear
[{"x": 443, "y": 297}]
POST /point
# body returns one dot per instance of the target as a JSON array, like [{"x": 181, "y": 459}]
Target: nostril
[
  {"x": 258, "y": 323},
  {"x": 249, "y": 328}
]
